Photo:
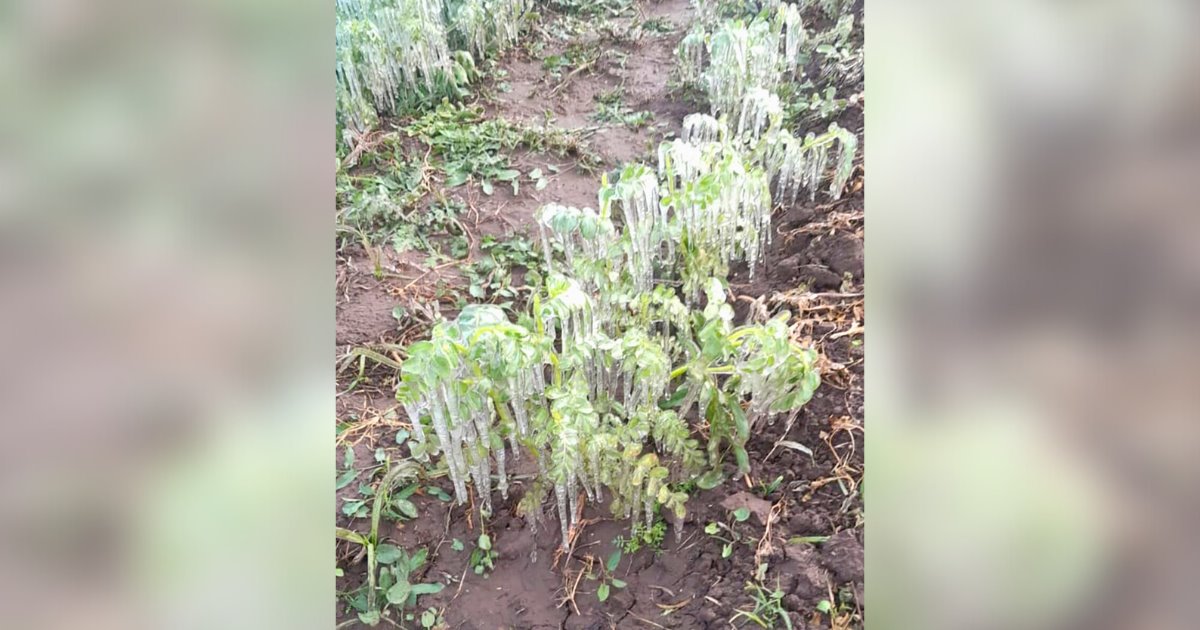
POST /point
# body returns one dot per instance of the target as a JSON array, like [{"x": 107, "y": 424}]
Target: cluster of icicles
[
  {"x": 384, "y": 47},
  {"x": 487, "y": 23},
  {"x": 469, "y": 424},
  {"x": 722, "y": 202},
  {"x": 743, "y": 56},
  {"x": 744, "y": 65},
  {"x": 388, "y": 48}
]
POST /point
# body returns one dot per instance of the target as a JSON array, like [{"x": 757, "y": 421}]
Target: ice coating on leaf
[
  {"x": 385, "y": 49},
  {"x": 788, "y": 18},
  {"x": 722, "y": 206},
  {"x": 742, "y": 57},
  {"x": 797, "y": 165},
  {"x": 485, "y": 24},
  {"x": 691, "y": 53},
  {"x": 701, "y": 128},
  {"x": 645, "y": 223},
  {"x": 759, "y": 109}
]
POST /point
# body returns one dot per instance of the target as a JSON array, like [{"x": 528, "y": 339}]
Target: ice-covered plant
[
  {"x": 722, "y": 205},
  {"x": 701, "y": 128},
  {"x": 393, "y": 55},
  {"x": 645, "y": 222},
  {"x": 759, "y": 110},
  {"x": 386, "y": 49},
  {"x": 796, "y": 164},
  {"x": 691, "y": 54},
  {"x": 483, "y": 25},
  {"x": 582, "y": 383},
  {"x": 727, "y": 365},
  {"x": 758, "y": 131},
  {"x": 742, "y": 57}
]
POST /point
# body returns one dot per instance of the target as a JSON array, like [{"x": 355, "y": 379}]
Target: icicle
[
  {"x": 453, "y": 465},
  {"x": 532, "y": 520},
  {"x": 572, "y": 496},
  {"x": 560, "y": 496},
  {"x": 414, "y": 418},
  {"x": 631, "y": 505},
  {"x": 596, "y": 473},
  {"x": 502, "y": 472}
]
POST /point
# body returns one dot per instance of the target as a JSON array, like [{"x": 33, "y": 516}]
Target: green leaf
[
  {"x": 370, "y": 618},
  {"x": 800, "y": 540},
  {"x": 613, "y": 560},
  {"x": 676, "y": 399},
  {"x": 350, "y": 508},
  {"x": 428, "y": 588},
  {"x": 387, "y": 554},
  {"x": 338, "y": 572},
  {"x": 418, "y": 559},
  {"x": 487, "y": 188},
  {"x": 542, "y": 184},
  {"x": 508, "y": 175},
  {"x": 429, "y": 618},
  {"x": 456, "y": 179},
  {"x": 712, "y": 528},
  {"x": 485, "y": 542},
  {"x": 602, "y": 592},
  {"x": 741, "y": 514},
  {"x": 727, "y": 550},
  {"x": 535, "y": 173},
  {"x": 347, "y": 478},
  {"x": 618, "y": 583},
  {"x": 402, "y": 435},
  {"x": 710, "y": 479},
  {"x": 456, "y": 545},
  {"x": 398, "y": 594},
  {"x": 406, "y": 508},
  {"x": 824, "y": 606},
  {"x": 743, "y": 460}
]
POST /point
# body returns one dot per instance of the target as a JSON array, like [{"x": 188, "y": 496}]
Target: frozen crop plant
[
  {"x": 487, "y": 24},
  {"x": 588, "y": 405}
]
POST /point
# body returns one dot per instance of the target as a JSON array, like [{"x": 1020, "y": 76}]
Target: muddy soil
[{"x": 813, "y": 547}]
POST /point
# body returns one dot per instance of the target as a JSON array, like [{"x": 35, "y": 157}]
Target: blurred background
[
  {"x": 1033, "y": 446},
  {"x": 166, "y": 226},
  {"x": 166, "y": 219}
]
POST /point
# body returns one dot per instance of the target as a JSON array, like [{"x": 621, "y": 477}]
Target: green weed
[
  {"x": 650, "y": 537},
  {"x": 768, "y": 607},
  {"x": 610, "y": 108}
]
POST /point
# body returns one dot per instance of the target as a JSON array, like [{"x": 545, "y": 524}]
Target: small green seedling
[
  {"x": 714, "y": 529},
  {"x": 767, "y": 489},
  {"x": 642, "y": 536},
  {"x": 483, "y": 558},
  {"x": 607, "y": 579},
  {"x": 431, "y": 618},
  {"x": 768, "y": 607}
]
